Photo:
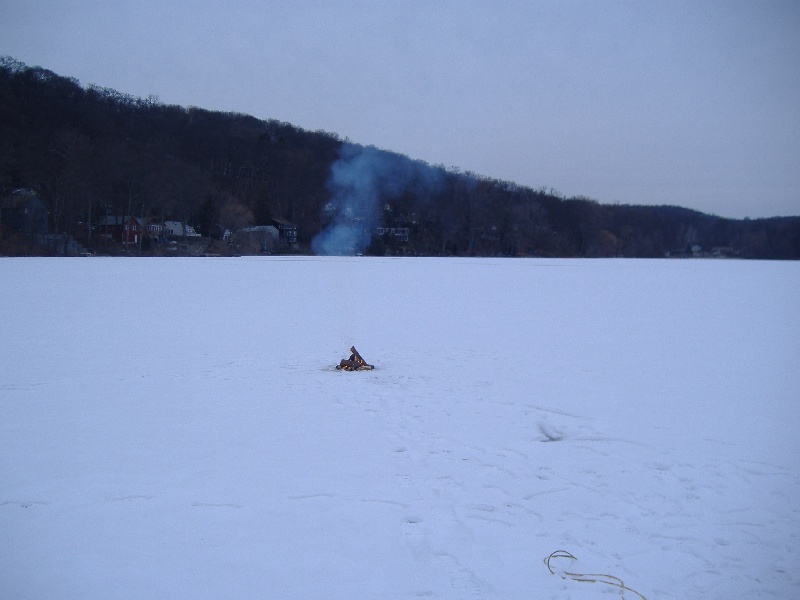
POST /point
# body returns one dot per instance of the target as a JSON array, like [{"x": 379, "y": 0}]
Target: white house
[{"x": 176, "y": 228}]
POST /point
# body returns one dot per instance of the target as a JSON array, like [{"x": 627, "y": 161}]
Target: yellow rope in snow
[{"x": 588, "y": 577}]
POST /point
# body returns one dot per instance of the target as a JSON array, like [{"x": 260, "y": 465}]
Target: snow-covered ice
[{"x": 174, "y": 428}]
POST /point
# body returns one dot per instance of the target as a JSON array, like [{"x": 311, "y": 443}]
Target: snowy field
[{"x": 175, "y": 429}]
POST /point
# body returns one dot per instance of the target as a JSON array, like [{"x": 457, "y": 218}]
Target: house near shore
[
  {"x": 122, "y": 229},
  {"x": 398, "y": 233},
  {"x": 286, "y": 230},
  {"x": 179, "y": 229},
  {"x": 154, "y": 228},
  {"x": 129, "y": 229}
]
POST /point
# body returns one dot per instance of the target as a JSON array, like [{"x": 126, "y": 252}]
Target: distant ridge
[{"x": 89, "y": 152}]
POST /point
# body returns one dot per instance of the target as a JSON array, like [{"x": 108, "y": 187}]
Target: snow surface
[{"x": 174, "y": 428}]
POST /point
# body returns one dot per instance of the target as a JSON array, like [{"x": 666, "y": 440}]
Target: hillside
[{"x": 89, "y": 152}]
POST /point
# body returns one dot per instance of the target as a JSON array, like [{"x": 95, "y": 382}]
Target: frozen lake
[{"x": 174, "y": 428}]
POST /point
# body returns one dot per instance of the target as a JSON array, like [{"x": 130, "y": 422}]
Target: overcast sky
[{"x": 690, "y": 103}]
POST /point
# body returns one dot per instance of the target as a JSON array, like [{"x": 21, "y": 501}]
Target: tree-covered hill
[{"x": 89, "y": 152}]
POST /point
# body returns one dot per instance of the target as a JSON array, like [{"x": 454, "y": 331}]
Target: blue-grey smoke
[{"x": 361, "y": 180}]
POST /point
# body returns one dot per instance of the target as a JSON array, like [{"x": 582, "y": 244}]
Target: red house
[{"x": 121, "y": 229}]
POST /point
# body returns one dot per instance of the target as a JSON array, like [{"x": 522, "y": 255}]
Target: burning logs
[{"x": 354, "y": 363}]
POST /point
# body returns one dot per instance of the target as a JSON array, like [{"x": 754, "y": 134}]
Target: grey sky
[{"x": 689, "y": 103}]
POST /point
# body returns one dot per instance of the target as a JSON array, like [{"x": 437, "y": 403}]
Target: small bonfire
[{"x": 354, "y": 363}]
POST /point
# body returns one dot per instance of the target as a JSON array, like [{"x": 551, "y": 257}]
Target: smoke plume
[{"x": 361, "y": 180}]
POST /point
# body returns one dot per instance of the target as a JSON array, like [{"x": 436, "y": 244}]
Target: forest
[{"x": 90, "y": 152}]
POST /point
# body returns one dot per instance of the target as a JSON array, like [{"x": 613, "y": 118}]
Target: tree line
[{"x": 89, "y": 151}]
